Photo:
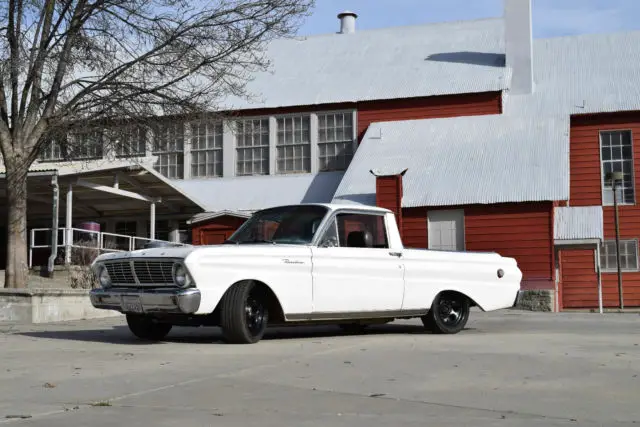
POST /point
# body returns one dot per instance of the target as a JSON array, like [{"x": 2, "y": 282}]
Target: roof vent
[{"x": 347, "y": 22}]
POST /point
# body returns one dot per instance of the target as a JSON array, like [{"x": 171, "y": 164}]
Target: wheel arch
[
  {"x": 276, "y": 313},
  {"x": 472, "y": 301}
]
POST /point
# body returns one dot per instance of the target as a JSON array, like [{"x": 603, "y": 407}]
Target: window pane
[{"x": 335, "y": 144}]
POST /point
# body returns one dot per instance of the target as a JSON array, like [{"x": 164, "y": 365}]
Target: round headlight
[
  {"x": 180, "y": 276},
  {"x": 103, "y": 277}
]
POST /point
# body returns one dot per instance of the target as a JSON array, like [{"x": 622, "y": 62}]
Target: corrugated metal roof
[
  {"x": 398, "y": 62},
  {"x": 582, "y": 74},
  {"x": 205, "y": 216},
  {"x": 471, "y": 159},
  {"x": 481, "y": 159},
  {"x": 578, "y": 223},
  {"x": 250, "y": 193}
]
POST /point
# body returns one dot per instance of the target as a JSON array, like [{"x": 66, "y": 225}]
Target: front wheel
[
  {"x": 243, "y": 314},
  {"x": 145, "y": 328},
  {"x": 448, "y": 314}
]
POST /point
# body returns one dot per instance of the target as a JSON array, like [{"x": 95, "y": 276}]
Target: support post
[
  {"x": 55, "y": 226},
  {"x": 152, "y": 222},
  {"x": 68, "y": 232},
  {"x": 617, "y": 219},
  {"x": 599, "y": 278}
]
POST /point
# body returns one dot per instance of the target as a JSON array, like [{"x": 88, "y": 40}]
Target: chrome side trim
[
  {"x": 175, "y": 301},
  {"x": 303, "y": 317}
]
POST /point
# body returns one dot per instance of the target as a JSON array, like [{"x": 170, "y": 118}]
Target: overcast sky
[{"x": 550, "y": 17}]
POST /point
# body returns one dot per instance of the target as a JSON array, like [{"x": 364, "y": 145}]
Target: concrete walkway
[{"x": 507, "y": 369}]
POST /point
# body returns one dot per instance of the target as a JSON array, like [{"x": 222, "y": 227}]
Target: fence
[{"x": 40, "y": 238}]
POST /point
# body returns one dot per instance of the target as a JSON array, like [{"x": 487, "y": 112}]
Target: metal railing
[{"x": 40, "y": 238}]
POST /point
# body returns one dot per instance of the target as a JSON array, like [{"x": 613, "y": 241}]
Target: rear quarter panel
[{"x": 428, "y": 273}]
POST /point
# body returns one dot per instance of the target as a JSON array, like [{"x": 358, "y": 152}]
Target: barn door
[
  {"x": 214, "y": 237},
  {"x": 578, "y": 278}
]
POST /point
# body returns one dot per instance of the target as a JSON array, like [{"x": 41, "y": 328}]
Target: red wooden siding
[
  {"x": 389, "y": 196},
  {"x": 522, "y": 231},
  {"x": 414, "y": 228},
  {"x": 215, "y": 231},
  {"x": 586, "y": 190},
  {"x": 471, "y": 104},
  {"x": 427, "y": 108}
]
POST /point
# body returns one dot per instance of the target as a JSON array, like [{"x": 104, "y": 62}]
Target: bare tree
[{"x": 66, "y": 62}]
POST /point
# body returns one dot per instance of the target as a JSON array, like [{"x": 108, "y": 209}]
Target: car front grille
[
  {"x": 154, "y": 272},
  {"x": 147, "y": 272}
]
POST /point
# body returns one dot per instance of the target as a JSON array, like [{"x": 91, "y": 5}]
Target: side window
[{"x": 362, "y": 231}]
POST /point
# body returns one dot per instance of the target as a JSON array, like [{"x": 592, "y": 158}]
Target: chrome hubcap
[{"x": 450, "y": 311}]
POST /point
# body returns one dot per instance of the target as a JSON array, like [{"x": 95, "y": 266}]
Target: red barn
[{"x": 478, "y": 136}]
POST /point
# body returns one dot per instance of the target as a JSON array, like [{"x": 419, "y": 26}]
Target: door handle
[{"x": 396, "y": 254}]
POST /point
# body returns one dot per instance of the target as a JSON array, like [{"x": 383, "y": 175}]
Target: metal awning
[{"x": 106, "y": 190}]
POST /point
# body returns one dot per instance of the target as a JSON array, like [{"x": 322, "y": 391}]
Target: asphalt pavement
[{"x": 508, "y": 368}]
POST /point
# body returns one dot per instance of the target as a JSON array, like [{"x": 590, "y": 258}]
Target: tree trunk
[{"x": 17, "y": 270}]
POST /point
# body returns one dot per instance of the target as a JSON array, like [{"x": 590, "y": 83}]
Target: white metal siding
[
  {"x": 446, "y": 230},
  {"x": 578, "y": 223}
]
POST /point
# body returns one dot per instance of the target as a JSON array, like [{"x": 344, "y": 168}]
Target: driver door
[{"x": 358, "y": 273}]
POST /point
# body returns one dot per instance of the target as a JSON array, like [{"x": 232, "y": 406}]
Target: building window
[
  {"x": 52, "y": 151},
  {"x": 252, "y": 147},
  {"x": 616, "y": 151},
  {"x": 131, "y": 142},
  {"x": 169, "y": 147},
  {"x": 335, "y": 141},
  {"x": 86, "y": 146},
  {"x": 446, "y": 230},
  {"x": 293, "y": 146},
  {"x": 79, "y": 146},
  {"x": 628, "y": 256},
  {"x": 206, "y": 149}
]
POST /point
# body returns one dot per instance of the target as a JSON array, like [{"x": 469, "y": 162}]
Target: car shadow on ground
[{"x": 212, "y": 335}]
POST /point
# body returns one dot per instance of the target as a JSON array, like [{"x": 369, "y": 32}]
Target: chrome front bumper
[{"x": 143, "y": 301}]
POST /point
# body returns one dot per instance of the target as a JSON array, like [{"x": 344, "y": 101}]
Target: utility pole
[{"x": 615, "y": 177}]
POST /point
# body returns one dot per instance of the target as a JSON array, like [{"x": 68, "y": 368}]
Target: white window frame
[
  {"x": 299, "y": 144},
  {"x": 614, "y": 269},
  {"x": 193, "y": 152},
  {"x": 270, "y": 144},
  {"x": 354, "y": 135},
  {"x": 603, "y": 188},
  {"x": 119, "y": 148},
  {"x": 169, "y": 153},
  {"x": 455, "y": 213}
]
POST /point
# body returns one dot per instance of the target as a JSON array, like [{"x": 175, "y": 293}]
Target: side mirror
[{"x": 329, "y": 242}]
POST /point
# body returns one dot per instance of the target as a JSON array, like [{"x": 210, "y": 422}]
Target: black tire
[
  {"x": 146, "y": 328},
  {"x": 353, "y": 328},
  {"x": 449, "y": 313},
  {"x": 243, "y": 314}
]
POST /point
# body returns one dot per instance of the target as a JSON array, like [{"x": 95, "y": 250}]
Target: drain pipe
[{"x": 54, "y": 228}]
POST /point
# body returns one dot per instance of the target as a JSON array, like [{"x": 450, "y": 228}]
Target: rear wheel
[
  {"x": 244, "y": 314},
  {"x": 146, "y": 328},
  {"x": 449, "y": 313}
]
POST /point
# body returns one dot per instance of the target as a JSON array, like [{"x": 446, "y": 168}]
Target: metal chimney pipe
[{"x": 347, "y": 22}]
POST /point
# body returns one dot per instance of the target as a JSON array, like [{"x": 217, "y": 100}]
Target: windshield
[{"x": 287, "y": 224}]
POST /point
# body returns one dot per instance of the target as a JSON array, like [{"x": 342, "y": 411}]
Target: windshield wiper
[{"x": 230, "y": 242}]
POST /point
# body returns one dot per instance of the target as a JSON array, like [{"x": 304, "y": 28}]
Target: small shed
[{"x": 213, "y": 228}]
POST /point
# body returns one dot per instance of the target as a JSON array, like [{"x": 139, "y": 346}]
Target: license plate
[{"x": 131, "y": 304}]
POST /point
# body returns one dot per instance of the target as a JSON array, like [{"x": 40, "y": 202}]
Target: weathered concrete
[
  {"x": 509, "y": 368},
  {"x": 536, "y": 300},
  {"x": 48, "y": 305}
]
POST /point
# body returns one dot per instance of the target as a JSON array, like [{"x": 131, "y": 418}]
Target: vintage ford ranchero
[{"x": 302, "y": 264}]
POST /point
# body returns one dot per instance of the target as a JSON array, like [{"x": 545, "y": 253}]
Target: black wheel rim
[
  {"x": 450, "y": 311},
  {"x": 255, "y": 315}
]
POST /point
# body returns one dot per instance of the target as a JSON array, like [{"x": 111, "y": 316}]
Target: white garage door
[{"x": 446, "y": 230}]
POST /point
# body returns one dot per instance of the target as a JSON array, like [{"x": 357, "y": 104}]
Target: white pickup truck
[{"x": 302, "y": 264}]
